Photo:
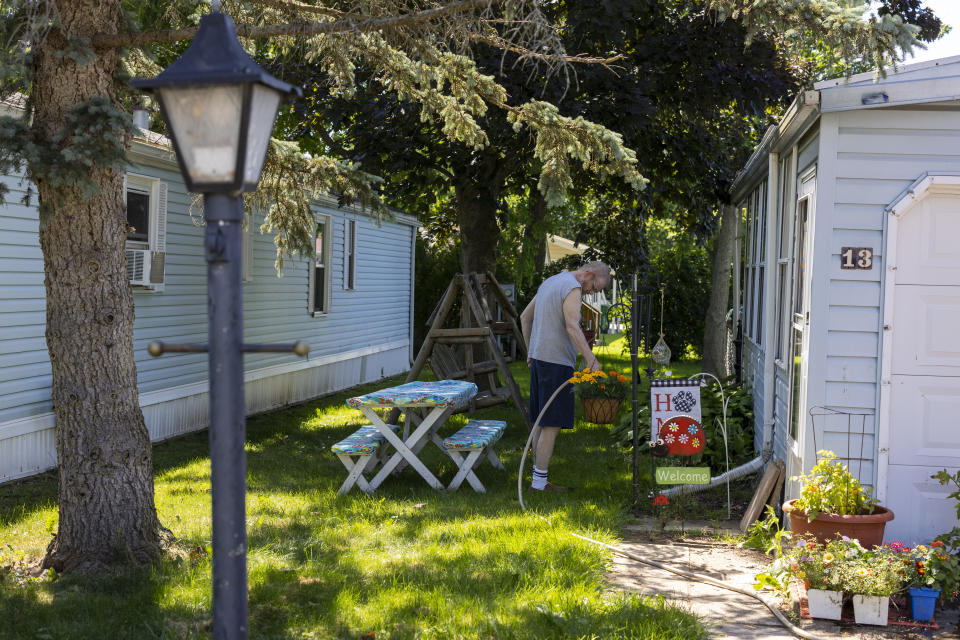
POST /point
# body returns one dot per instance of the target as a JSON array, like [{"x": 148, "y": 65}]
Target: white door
[{"x": 923, "y": 347}]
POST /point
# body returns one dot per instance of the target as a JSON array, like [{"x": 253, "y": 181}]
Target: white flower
[{"x": 683, "y": 438}]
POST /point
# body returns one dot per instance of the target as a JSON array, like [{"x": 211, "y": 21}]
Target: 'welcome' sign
[{"x": 683, "y": 475}]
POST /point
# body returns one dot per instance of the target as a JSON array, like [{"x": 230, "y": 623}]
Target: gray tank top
[{"x": 549, "y": 341}]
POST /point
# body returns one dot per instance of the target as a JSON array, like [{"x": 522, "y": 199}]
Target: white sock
[{"x": 539, "y": 479}]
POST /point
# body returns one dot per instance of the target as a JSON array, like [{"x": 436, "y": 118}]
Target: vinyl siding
[
  {"x": 24, "y": 365},
  {"x": 360, "y": 321},
  {"x": 875, "y": 156}
]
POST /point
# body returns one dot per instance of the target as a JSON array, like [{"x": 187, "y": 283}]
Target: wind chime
[{"x": 661, "y": 352}]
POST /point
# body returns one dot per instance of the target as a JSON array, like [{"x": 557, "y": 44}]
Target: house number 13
[{"x": 856, "y": 258}]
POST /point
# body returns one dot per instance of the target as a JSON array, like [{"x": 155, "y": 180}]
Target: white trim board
[{"x": 31, "y": 424}]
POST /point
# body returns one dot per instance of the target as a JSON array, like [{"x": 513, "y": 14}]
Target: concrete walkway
[{"x": 729, "y": 614}]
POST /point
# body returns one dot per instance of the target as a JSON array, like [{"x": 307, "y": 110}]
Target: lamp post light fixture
[{"x": 220, "y": 106}]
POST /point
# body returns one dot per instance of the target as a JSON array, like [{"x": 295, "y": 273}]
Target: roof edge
[
  {"x": 872, "y": 75},
  {"x": 799, "y": 117}
]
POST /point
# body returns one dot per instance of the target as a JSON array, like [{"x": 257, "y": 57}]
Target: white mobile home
[
  {"x": 850, "y": 281},
  {"x": 353, "y": 304}
]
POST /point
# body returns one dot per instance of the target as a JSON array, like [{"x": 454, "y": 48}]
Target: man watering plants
[{"x": 551, "y": 329}]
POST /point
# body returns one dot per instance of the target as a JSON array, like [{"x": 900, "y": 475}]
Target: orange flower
[
  {"x": 603, "y": 386},
  {"x": 612, "y": 372},
  {"x": 621, "y": 379}
]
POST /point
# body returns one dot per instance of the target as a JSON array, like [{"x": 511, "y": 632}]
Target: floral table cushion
[
  {"x": 363, "y": 441},
  {"x": 441, "y": 393},
  {"x": 476, "y": 435}
]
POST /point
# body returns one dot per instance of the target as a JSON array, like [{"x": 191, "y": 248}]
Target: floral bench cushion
[
  {"x": 363, "y": 441},
  {"x": 476, "y": 435},
  {"x": 440, "y": 393}
]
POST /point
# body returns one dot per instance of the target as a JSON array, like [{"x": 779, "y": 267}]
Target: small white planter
[
  {"x": 871, "y": 609},
  {"x": 824, "y": 604}
]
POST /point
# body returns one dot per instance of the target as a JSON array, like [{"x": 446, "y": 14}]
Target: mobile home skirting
[{"x": 27, "y": 445}]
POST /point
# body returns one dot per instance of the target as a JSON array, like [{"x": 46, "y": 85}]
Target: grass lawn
[{"x": 407, "y": 563}]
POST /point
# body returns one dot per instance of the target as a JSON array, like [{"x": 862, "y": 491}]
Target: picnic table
[{"x": 440, "y": 398}]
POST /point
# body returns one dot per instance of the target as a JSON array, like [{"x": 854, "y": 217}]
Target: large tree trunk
[
  {"x": 478, "y": 198},
  {"x": 715, "y": 331},
  {"x": 105, "y": 496},
  {"x": 534, "y": 234}
]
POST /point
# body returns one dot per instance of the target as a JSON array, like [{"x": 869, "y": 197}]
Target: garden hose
[
  {"x": 652, "y": 563},
  {"x": 794, "y": 629},
  {"x": 531, "y": 438}
]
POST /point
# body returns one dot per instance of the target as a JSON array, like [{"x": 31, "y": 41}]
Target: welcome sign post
[{"x": 675, "y": 417}]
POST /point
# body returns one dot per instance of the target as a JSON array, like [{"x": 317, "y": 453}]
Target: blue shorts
[{"x": 545, "y": 377}]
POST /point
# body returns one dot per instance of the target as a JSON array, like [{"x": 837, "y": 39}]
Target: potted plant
[
  {"x": 872, "y": 576},
  {"x": 833, "y": 503},
  {"x": 816, "y": 565},
  {"x": 601, "y": 393},
  {"x": 932, "y": 569}
]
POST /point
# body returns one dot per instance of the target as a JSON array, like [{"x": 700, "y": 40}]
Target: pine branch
[
  {"x": 299, "y": 7},
  {"x": 346, "y": 24},
  {"x": 501, "y": 43}
]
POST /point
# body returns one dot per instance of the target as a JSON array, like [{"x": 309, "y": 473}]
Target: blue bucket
[{"x": 922, "y": 602}]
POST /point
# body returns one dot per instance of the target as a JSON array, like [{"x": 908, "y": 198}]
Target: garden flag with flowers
[{"x": 675, "y": 415}]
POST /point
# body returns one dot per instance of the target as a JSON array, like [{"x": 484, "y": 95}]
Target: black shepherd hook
[{"x": 639, "y": 314}]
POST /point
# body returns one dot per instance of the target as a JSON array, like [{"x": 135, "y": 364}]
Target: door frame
[
  {"x": 924, "y": 186},
  {"x": 806, "y": 192}
]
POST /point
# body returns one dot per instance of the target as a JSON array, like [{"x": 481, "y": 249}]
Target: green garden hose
[{"x": 652, "y": 563}]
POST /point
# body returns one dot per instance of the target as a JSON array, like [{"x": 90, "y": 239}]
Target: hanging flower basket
[{"x": 600, "y": 410}]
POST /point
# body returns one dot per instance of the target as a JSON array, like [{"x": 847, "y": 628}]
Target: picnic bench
[{"x": 366, "y": 449}]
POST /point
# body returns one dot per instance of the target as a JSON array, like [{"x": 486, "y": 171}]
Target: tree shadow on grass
[{"x": 129, "y": 604}]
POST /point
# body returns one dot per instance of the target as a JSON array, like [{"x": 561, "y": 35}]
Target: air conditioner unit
[{"x": 145, "y": 268}]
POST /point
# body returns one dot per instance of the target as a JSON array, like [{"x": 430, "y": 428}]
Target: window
[
  {"x": 138, "y": 217},
  {"x": 760, "y": 269},
  {"x": 783, "y": 305},
  {"x": 760, "y": 255},
  {"x": 249, "y": 240},
  {"x": 755, "y": 252},
  {"x": 146, "y": 213},
  {"x": 800, "y": 258},
  {"x": 798, "y": 315},
  {"x": 320, "y": 271},
  {"x": 349, "y": 254}
]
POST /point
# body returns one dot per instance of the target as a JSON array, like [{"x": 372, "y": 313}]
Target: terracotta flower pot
[
  {"x": 600, "y": 410},
  {"x": 868, "y": 529}
]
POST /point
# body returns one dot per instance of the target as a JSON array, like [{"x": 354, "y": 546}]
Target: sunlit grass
[{"x": 407, "y": 563}]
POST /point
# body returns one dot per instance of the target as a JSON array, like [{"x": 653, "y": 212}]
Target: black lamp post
[{"x": 220, "y": 108}]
